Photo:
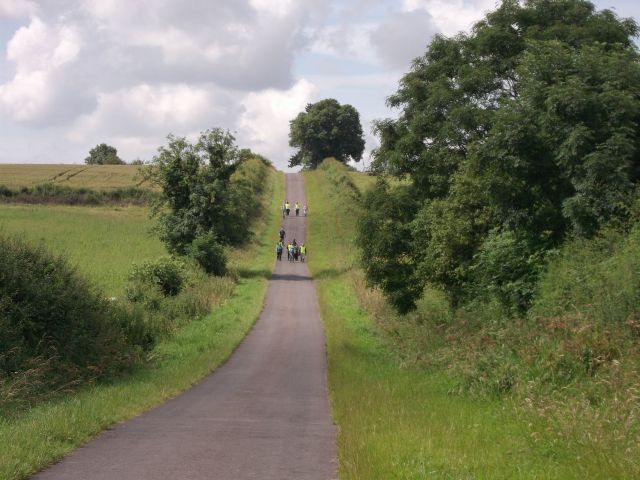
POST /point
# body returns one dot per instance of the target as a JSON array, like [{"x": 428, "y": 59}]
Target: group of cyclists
[
  {"x": 295, "y": 252},
  {"x": 286, "y": 209}
]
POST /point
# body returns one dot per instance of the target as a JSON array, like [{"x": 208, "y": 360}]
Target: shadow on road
[
  {"x": 291, "y": 277},
  {"x": 267, "y": 274}
]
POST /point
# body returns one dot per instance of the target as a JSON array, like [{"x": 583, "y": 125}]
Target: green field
[
  {"x": 102, "y": 242},
  {"x": 99, "y": 177},
  {"x": 397, "y": 420}
]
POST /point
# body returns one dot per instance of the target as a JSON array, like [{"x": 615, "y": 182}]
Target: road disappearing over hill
[{"x": 263, "y": 415}]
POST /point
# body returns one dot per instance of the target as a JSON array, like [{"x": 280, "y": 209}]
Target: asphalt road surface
[{"x": 263, "y": 415}]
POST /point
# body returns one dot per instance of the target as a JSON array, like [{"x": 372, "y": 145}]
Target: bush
[
  {"x": 598, "y": 278},
  {"x": 165, "y": 276},
  {"x": 52, "y": 318},
  {"x": 506, "y": 268},
  {"x": 209, "y": 254}
]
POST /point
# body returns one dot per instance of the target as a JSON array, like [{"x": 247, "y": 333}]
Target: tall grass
[{"x": 446, "y": 393}]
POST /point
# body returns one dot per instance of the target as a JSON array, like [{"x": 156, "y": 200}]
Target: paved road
[{"x": 263, "y": 415}]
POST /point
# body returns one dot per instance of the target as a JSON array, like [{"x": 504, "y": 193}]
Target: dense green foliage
[
  {"x": 103, "y": 154},
  {"x": 60, "y": 332},
  {"x": 326, "y": 129},
  {"x": 209, "y": 254},
  {"x": 512, "y": 137},
  {"x": 198, "y": 198},
  {"x": 54, "y": 322},
  {"x": 164, "y": 274}
]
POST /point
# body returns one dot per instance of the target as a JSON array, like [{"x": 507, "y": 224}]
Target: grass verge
[
  {"x": 47, "y": 432},
  {"x": 400, "y": 421}
]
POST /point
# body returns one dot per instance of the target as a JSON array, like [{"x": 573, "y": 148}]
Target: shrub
[
  {"x": 597, "y": 278},
  {"x": 51, "y": 317},
  {"x": 165, "y": 276},
  {"x": 140, "y": 326},
  {"x": 506, "y": 269},
  {"x": 209, "y": 254}
]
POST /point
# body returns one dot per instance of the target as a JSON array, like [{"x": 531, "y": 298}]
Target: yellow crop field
[{"x": 100, "y": 177}]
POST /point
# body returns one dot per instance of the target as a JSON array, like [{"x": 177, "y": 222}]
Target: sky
[{"x": 76, "y": 73}]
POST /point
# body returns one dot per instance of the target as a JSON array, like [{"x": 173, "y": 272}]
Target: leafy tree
[
  {"x": 326, "y": 129},
  {"x": 197, "y": 198},
  {"x": 103, "y": 154},
  {"x": 513, "y": 136},
  {"x": 385, "y": 240}
]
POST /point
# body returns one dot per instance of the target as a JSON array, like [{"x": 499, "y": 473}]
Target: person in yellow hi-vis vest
[
  {"x": 297, "y": 209},
  {"x": 303, "y": 252},
  {"x": 287, "y": 207}
]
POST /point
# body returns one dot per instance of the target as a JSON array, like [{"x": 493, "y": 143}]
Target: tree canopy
[
  {"x": 513, "y": 136},
  {"x": 326, "y": 129},
  {"x": 197, "y": 202},
  {"x": 103, "y": 154}
]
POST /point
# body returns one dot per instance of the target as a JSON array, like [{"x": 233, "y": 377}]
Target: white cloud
[
  {"x": 238, "y": 44},
  {"x": 39, "y": 52},
  {"x": 17, "y": 8},
  {"x": 264, "y": 125},
  {"x": 347, "y": 41},
  {"x": 26, "y": 96},
  {"x": 279, "y": 8},
  {"x": 127, "y": 72},
  {"x": 74, "y": 52},
  {"x": 452, "y": 16},
  {"x": 42, "y": 47},
  {"x": 157, "y": 110},
  {"x": 403, "y": 36}
]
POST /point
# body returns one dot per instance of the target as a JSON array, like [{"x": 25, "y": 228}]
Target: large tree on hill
[
  {"x": 513, "y": 136},
  {"x": 103, "y": 154},
  {"x": 326, "y": 129}
]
